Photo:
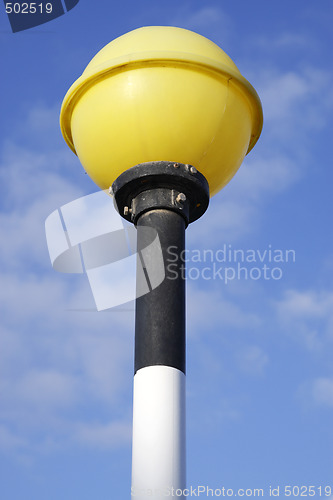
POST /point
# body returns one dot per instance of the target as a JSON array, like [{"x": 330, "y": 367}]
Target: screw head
[
  {"x": 176, "y": 165},
  {"x": 193, "y": 170},
  {"x": 181, "y": 198}
]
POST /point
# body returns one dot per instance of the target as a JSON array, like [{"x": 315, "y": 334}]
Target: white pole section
[{"x": 158, "y": 453}]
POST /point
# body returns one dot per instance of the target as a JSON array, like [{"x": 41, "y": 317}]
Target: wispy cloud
[
  {"x": 10, "y": 441},
  {"x": 209, "y": 21},
  {"x": 53, "y": 361},
  {"x": 307, "y": 315},
  {"x": 297, "y": 105},
  {"x": 32, "y": 187},
  {"x": 316, "y": 394},
  {"x": 322, "y": 391},
  {"x": 239, "y": 210},
  {"x": 252, "y": 360},
  {"x": 217, "y": 306},
  {"x": 296, "y": 101},
  {"x": 286, "y": 41},
  {"x": 104, "y": 436}
]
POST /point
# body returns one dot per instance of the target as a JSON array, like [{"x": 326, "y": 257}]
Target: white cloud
[
  {"x": 317, "y": 393},
  {"x": 322, "y": 391},
  {"x": 105, "y": 362},
  {"x": 210, "y": 21},
  {"x": 287, "y": 91},
  {"x": 217, "y": 308},
  {"x": 54, "y": 358},
  {"x": 283, "y": 42},
  {"x": 40, "y": 127},
  {"x": 47, "y": 389},
  {"x": 227, "y": 220},
  {"x": 103, "y": 436},
  {"x": 252, "y": 359},
  {"x": 220, "y": 413},
  {"x": 239, "y": 210},
  {"x": 58, "y": 372},
  {"x": 26, "y": 296},
  {"x": 291, "y": 40},
  {"x": 302, "y": 304},
  {"x": 10, "y": 441},
  {"x": 295, "y": 103},
  {"x": 53, "y": 361},
  {"x": 262, "y": 177},
  {"x": 282, "y": 93},
  {"x": 307, "y": 316},
  {"x": 33, "y": 188}
]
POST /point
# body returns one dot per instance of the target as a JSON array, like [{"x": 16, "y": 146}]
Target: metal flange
[{"x": 161, "y": 185}]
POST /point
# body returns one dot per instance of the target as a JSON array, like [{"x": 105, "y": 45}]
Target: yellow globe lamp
[
  {"x": 164, "y": 117},
  {"x": 161, "y": 93}
]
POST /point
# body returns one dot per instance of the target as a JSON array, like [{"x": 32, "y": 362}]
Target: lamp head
[{"x": 161, "y": 93}]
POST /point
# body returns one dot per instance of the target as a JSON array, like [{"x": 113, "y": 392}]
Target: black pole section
[
  {"x": 160, "y": 314},
  {"x": 161, "y": 199}
]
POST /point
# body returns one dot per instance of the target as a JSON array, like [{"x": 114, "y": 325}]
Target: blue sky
[{"x": 259, "y": 353}]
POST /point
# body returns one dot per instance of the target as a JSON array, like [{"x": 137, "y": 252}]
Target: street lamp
[{"x": 162, "y": 117}]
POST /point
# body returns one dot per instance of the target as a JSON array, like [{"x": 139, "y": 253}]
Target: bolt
[
  {"x": 176, "y": 165},
  {"x": 193, "y": 170},
  {"x": 181, "y": 198},
  {"x": 127, "y": 210}
]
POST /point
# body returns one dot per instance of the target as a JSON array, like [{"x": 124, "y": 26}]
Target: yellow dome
[{"x": 161, "y": 94}]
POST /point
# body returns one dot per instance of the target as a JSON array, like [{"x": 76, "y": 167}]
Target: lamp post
[{"x": 163, "y": 116}]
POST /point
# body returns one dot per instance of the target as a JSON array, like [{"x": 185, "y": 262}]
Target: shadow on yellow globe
[{"x": 161, "y": 93}]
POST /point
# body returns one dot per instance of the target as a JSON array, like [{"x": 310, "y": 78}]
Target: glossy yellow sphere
[{"x": 161, "y": 94}]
